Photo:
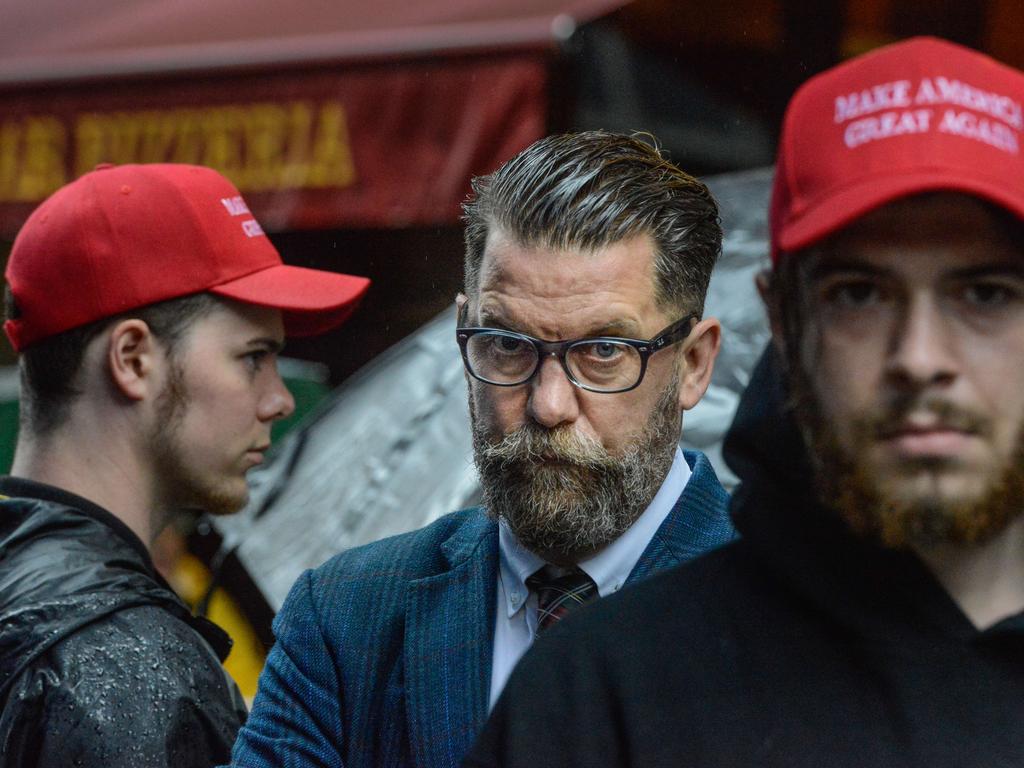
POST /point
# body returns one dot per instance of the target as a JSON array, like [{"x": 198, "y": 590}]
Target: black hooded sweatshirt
[
  {"x": 796, "y": 645},
  {"x": 100, "y": 663}
]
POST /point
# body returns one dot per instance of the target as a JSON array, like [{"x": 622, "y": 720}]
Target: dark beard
[
  {"x": 561, "y": 493},
  {"x": 177, "y": 483},
  {"x": 845, "y": 482}
]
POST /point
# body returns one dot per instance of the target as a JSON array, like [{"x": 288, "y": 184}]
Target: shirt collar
[
  {"x": 517, "y": 563},
  {"x": 610, "y": 567}
]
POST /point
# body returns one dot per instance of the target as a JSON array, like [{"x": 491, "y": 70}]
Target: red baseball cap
[
  {"x": 122, "y": 237},
  {"x": 915, "y": 116}
]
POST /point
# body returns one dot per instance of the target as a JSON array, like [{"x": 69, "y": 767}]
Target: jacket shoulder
[
  {"x": 350, "y": 614},
  {"x": 369, "y": 583},
  {"x": 137, "y": 687},
  {"x": 132, "y": 640},
  {"x": 416, "y": 554}
]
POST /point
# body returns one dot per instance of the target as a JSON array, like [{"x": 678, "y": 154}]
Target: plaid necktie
[{"x": 557, "y": 595}]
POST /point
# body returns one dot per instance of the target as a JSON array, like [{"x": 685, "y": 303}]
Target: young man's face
[
  {"x": 575, "y": 465},
  {"x": 915, "y": 363},
  {"x": 215, "y": 414}
]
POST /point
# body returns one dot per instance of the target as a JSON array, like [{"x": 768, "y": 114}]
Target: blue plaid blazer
[{"x": 383, "y": 654}]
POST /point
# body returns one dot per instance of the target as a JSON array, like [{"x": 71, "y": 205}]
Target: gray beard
[{"x": 561, "y": 493}]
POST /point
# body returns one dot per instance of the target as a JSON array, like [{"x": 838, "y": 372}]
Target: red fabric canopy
[
  {"x": 325, "y": 113},
  {"x": 55, "y": 39}
]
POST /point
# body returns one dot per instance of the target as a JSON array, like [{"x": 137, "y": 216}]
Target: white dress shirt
[{"x": 515, "y": 622}]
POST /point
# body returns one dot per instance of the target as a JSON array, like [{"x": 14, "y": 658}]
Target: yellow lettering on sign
[
  {"x": 10, "y": 155},
  {"x": 223, "y": 148},
  {"x": 89, "y": 143},
  {"x": 332, "y": 164},
  {"x": 296, "y": 171},
  {"x": 32, "y": 154},
  {"x": 265, "y": 140},
  {"x": 260, "y": 146}
]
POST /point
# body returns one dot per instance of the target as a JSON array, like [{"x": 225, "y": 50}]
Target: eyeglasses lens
[
  {"x": 505, "y": 358},
  {"x": 500, "y": 357},
  {"x": 604, "y": 366}
]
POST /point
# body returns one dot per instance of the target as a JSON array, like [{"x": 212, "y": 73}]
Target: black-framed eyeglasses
[{"x": 605, "y": 364}]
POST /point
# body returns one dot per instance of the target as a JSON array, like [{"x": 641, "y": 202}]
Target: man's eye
[
  {"x": 989, "y": 294},
  {"x": 255, "y": 359},
  {"x": 853, "y": 294},
  {"x": 602, "y": 350},
  {"x": 509, "y": 345}
]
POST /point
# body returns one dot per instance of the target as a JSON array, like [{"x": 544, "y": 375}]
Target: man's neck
[
  {"x": 987, "y": 580},
  {"x": 94, "y": 470}
]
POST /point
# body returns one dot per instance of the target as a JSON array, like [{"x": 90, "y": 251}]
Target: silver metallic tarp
[{"x": 389, "y": 451}]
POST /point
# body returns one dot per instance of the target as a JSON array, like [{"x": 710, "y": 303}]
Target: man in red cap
[
  {"x": 148, "y": 309},
  {"x": 872, "y": 612}
]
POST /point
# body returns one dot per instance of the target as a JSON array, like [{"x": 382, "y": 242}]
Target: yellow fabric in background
[{"x": 190, "y": 579}]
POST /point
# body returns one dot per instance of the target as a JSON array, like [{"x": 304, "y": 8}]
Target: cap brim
[
  {"x": 851, "y": 202},
  {"x": 312, "y": 301}
]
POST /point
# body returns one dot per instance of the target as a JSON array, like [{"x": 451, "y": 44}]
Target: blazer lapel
[
  {"x": 448, "y": 637},
  {"x": 699, "y": 521}
]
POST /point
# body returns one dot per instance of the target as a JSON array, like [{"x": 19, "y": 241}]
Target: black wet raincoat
[{"x": 100, "y": 663}]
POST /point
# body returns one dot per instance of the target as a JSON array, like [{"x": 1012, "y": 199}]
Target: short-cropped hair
[
  {"x": 590, "y": 190},
  {"x": 50, "y": 370}
]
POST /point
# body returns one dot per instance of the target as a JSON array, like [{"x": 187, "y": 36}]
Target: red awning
[{"x": 325, "y": 113}]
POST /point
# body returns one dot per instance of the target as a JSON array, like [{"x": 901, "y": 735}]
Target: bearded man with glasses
[
  {"x": 872, "y": 611},
  {"x": 588, "y": 257}
]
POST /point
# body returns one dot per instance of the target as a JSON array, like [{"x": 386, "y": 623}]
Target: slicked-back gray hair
[{"x": 593, "y": 189}]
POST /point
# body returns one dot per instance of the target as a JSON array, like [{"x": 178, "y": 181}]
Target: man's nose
[
  {"x": 277, "y": 402},
  {"x": 923, "y": 349},
  {"x": 553, "y": 398}
]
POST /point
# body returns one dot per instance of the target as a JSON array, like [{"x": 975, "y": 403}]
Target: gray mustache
[{"x": 535, "y": 445}]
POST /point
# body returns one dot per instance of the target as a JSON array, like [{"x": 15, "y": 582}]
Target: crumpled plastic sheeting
[
  {"x": 733, "y": 299},
  {"x": 390, "y": 449}
]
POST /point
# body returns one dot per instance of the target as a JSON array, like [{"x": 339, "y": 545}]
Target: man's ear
[
  {"x": 461, "y": 300},
  {"x": 132, "y": 358},
  {"x": 699, "y": 352}
]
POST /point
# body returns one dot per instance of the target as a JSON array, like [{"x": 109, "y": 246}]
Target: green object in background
[
  {"x": 8, "y": 433},
  {"x": 306, "y": 381},
  {"x": 9, "y": 388},
  {"x": 308, "y": 384}
]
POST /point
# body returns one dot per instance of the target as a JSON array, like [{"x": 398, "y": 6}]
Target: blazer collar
[
  {"x": 470, "y": 535},
  {"x": 699, "y": 521}
]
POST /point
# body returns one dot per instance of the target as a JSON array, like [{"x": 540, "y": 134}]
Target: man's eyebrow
[
  {"x": 622, "y": 327},
  {"x": 997, "y": 269},
  {"x": 495, "y": 319},
  {"x": 832, "y": 266}
]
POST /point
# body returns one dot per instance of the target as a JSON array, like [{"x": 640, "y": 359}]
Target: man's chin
[
  {"x": 932, "y": 486},
  {"x": 229, "y": 505},
  {"x": 559, "y": 541},
  {"x": 906, "y": 507},
  {"x": 225, "y": 500}
]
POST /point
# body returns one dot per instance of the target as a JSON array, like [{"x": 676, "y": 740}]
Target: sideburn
[{"x": 170, "y": 403}]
